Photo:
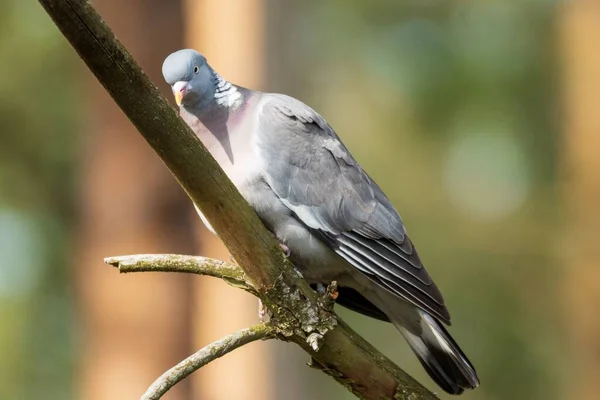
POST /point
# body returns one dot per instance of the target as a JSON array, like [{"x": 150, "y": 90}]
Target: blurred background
[{"x": 478, "y": 119}]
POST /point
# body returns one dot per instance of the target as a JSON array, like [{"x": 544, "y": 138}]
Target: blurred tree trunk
[
  {"x": 580, "y": 36},
  {"x": 230, "y": 33},
  {"x": 134, "y": 327}
]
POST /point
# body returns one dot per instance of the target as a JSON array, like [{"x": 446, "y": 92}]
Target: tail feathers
[{"x": 441, "y": 357}]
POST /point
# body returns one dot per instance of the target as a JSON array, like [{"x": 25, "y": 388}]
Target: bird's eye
[{"x": 196, "y": 69}]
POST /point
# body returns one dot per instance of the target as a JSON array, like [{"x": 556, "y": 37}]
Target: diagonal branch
[
  {"x": 343, "y": 354},
  {"x": 205, "y": 355},
  {"x": 230, "y": 273}
]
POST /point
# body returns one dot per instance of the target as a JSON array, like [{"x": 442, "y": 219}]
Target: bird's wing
[{"x": 315, "y": 176}]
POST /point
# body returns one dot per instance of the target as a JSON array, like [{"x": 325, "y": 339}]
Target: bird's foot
[
  {"x": 232, "y": 260},
  {"x": 263, "y": 313},
  {"x": 332, "y": 291},
  {"x": 286, "y": 250},
  {"x": 329, "y": 294}
]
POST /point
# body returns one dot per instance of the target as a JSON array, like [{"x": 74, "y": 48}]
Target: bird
[{"x": 334, "y": 221}]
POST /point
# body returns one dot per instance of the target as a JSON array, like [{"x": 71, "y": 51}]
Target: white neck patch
[{"x": 225, "y": 93}]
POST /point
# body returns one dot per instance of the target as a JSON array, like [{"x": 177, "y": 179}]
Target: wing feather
[{"x": 316, "y": 177}]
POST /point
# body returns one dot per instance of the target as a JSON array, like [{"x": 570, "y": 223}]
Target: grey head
[{"x": 192, "y": 80}]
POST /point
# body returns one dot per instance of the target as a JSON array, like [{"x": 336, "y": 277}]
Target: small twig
[
  {"x": 230, "y": 273},
  {"x": 205, "y": 355}
]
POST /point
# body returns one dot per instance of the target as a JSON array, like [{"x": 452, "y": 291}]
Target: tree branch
[
  {"x": 230, "y": 273},
  {"x": 343, "y": 354},
  {"x": 205, "y": 355}
]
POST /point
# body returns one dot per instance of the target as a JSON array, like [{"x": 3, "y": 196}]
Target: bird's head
[{"x": 189, "y": 75}]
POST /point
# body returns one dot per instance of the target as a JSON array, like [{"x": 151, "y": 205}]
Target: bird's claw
[
  {"x": 286, "y": 250},
  {"x": 329, "y": 294},
  {"x": 332, "y": 290}
]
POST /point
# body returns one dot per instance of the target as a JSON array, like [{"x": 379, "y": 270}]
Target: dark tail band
[{"x": 441, "y": 357}]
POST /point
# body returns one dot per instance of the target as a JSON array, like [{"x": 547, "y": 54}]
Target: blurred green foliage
[
  {"x": 450, "y": 106},
  {"x": 37, "y": 143}
]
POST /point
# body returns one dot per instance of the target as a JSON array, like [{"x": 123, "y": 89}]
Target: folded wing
[{"x": 315, "y": 176}]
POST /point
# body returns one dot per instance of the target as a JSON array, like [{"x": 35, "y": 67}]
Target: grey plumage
[{"x": 309, "y": 191}]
